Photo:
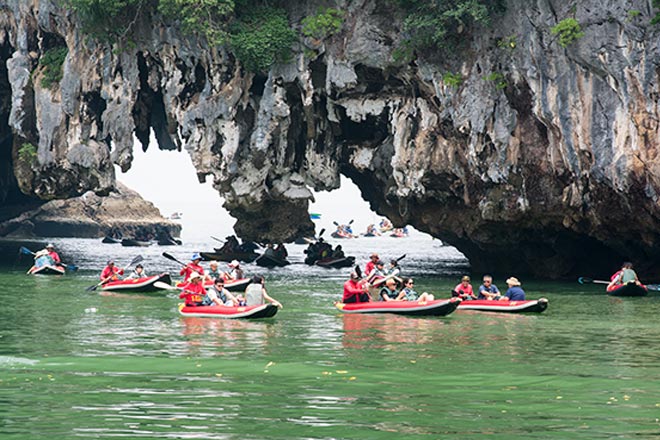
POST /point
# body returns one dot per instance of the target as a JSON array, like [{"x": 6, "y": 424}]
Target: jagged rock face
[
  {"x": 549, "y": 168},
  {"x": 123, "y": 213}
]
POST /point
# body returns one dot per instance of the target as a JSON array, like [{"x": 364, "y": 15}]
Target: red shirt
[
  {"x": 193, "y": 294},
  {"x": 190, "y": 268},
  {"x": 54, "y": 256},
  {"x": 111, "y": 273},
  {"x": 352, "y": 287},
  {"x": 464, "y": 291},
  {"x": 369, "y": 267}
]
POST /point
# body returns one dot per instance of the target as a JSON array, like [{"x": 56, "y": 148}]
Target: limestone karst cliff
[{"x": 541, "y": 159}]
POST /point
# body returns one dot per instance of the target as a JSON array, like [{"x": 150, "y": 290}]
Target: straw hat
[
  {"x": 513, "y": 281},
  {"x": 194, "y": 275}
]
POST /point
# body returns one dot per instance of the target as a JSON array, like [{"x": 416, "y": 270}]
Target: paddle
[
  {"x": 165, "y": 286},
  {"x": 173, "y": 258},
  {"x": 135, "y": 260},
  {"x": 217, "y": 239},
  {"x": 585, "y": 280},
  {"x": 71, "y": 267}
]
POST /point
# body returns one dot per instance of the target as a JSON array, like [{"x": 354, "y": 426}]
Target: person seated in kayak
[
  {"x": 193, "y": 292},
  {"x": 51, "y": 252},
  {"x": 338, "y": 253},
  {"x": 231, "y": 245},
  {"x": 217, "y": 295},
  {"x": 111, "y": 272},
  {"x": 192, "y": 267},
  {"x": 281, "y": 252},
  {"x": 409, "y": 294},
  {"x": 488, "y": 290},
  {"x": 464, "y": 289},
  {"x": 514, "y": 292},
  {"x": 389, "y": 292},
  {"x": 624, "y": 276},
  {"x": 214, "y": 272},
  {"x": 41, "y": 258},
  {"x": 371, "y": 264},
  {"x": 235, "y": 272},
  {"x": 355, "y": 290},
  {"x": 385, "y": 225},
  {"x": 371, "y": 230},
  {"x": 394, "y": 269},
  {"x": 255, "y": 293},
  {"x": 270, "y": 251},
  {"x": 378, "y": 272},
  {"x": 324, "y": 250},
  {"x": 138, "y": 273}
]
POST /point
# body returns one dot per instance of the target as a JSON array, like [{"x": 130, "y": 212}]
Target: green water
[{"x": 76, "y": 364}]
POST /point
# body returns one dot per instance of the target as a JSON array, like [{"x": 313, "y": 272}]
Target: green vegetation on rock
[
  {"x": 107, "y": 20},
  {"x": 324, "y": 24},
  {"x": 569, "y": 31},
  {"x": 27, "y": 153},
  {"x": 452, "y": 79},
  {"x": 51, "y": 66},
  {"x": 498, "y": 79},
  {"x": 207, "y": 17},
  {"x": 442, "y": 25},
  {"x": 656, "y": 19},
  {"x": 261, "y": 38}
]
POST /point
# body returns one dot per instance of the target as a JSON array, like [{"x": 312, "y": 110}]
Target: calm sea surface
[{"x": 77, "y": 364}]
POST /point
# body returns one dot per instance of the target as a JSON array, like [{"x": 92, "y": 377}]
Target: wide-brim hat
[
  {"x": 50, "y": 245},
  {"x": 234, "y": 263},
  {"x": 193, "y": 276},
  {"x": 513, "y": 281}
]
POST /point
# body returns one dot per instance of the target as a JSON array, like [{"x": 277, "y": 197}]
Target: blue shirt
[
  {"x": 515, "y": 293},
  {"x": 492, "y": 289}
]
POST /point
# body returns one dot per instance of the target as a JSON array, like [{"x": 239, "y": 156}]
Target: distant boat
[
  {"x": 132, "y": 242},
  {"x": 176, "y": 216}
]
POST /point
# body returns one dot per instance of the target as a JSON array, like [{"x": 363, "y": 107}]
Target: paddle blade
[
  {"x": 136, "y": 260},
  {"x": 351, "y": 222},
  {"x": 358, "y": 271},
  {"x": 94, "y": 287},
  {"x": 655, "y": 287},
  {"x": 321, "y": 233},
  {"x": 585, "y": 280},
  {"x": 164, "y": 286},
  {"x": 401, "y": 258},
  {"x": 217, "y": 239},
  {"x": 335, "y": 223},
  {"x": 26, "y": 251},
  {"x": 72, "y": 267}
]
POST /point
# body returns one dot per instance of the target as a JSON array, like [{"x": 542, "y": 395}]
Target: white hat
[
  {"x": 41, "y": 253},
  {"x": 194, "y": 275},
  {"x": 49, "y": 245},
  {"x": 234, "y": 263}
]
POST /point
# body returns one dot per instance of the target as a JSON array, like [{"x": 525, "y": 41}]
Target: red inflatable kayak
[
  {"x": 232, "y": 286},
  {"x": 137, "y": 284},
  {"x": 483, "y": 305},
  {"x": 246, "y": 312},
  {"x": 439, "y": 307},
  {"x": 630, "y": 289}
]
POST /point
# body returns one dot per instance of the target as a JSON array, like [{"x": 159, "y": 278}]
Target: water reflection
[
  {"x": 223, "y": 337},
  {"x": 361, "y": 331}
]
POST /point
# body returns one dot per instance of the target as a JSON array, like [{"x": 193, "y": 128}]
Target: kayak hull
[
  {"x": 528, "y": 306},
  {"x": 110, "y": 240},
  {"x": 271, "y": 261},
  {"x": 135, "y": 243},
  {"x": 630, "y": 289},
  {"x": 246, "y": 257},
  {"x": 46, "y": 270},
  {"x": 137, "y": 285},
  {"x": 334, "y": 263},
  {"x": 225, "y": 312},
  {"x": 440, "y": 307},
  {"x": 169, "y": 242}
]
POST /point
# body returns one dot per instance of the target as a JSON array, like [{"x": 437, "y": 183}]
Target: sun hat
[
  {"x": 513, "y": 281},
  {"x": 49, "y": 245},
  {"x": 196, "y": 256},
  {"x": 234, "y": 263},
  {"x": 194, "y": 275}
]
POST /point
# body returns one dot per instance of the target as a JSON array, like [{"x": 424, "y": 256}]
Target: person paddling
[
  {"x": 355, "y": 290},
  {"x": 373, "y": 259},
  {"x": 193, "y": 291},
  {"x": 624, "y": 276},
  {"x": 192, "y": 267},
  {"x": 54, "y": 255},
  {"x": 111, "y": 272}
]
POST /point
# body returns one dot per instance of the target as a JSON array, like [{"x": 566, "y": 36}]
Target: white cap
[{"x": 234, "y": 263}]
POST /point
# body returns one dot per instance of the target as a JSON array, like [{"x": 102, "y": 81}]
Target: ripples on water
[{"x": 76, "y": 364}]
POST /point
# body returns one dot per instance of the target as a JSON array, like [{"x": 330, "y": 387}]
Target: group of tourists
[
  {"x": 623, "y": 276},
  {"x": 391, "y": 287},
  {"x": 321, "y": 250}
]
